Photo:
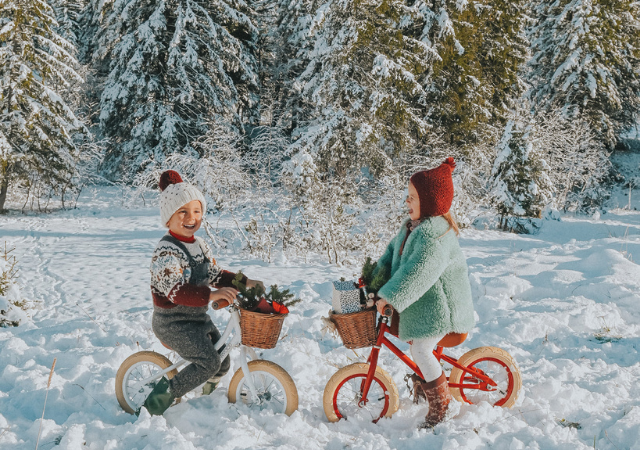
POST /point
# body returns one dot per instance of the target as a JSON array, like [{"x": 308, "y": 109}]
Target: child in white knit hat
[{"x": 182, "y": 274}]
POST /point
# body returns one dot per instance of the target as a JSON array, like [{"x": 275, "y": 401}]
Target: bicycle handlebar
[{"x": 219, "y": 304}]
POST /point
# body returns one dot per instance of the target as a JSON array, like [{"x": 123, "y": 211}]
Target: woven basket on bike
[
  {"x": 260, "y": 330},
  {"x": 356, "y": 329}
]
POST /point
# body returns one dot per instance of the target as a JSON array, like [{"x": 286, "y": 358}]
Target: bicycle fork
[{"x": 245, "y": 354}]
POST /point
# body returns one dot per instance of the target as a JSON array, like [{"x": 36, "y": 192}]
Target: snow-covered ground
[{"x": 563, "y": 302}]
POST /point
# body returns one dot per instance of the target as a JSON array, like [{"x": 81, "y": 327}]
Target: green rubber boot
[
  {"x": 160, "y": 398},
  {"x": 211, "y": 385}
]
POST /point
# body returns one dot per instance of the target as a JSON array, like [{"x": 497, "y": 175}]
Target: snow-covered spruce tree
[
  {"x": 476, "y": 80},
  {"x": 521, "y": 187},
  {"x": 173, "y": 63},
  {"x": 293, "y": 40},
  {"x": 36, "y": 147},
  {"x": 67, "y": 14},
  {"x": 586, "y": 55},
  {"x": 364, "y": 79}
]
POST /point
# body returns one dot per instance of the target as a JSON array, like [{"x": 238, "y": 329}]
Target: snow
[{"x": 562, "y": 302}]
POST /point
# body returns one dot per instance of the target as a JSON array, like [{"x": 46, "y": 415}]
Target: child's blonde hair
[{"x": 452, "y": 223}]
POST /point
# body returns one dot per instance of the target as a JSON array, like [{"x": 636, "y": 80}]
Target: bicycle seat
[
  {"x": 452, "y": 339},
  {"x": 165, "y": 345}
]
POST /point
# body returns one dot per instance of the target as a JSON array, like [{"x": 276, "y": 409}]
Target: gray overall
[{"x": 190, "y": 332}]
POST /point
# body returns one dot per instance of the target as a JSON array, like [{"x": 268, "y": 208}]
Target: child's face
[
  {"x": 187, "y": 220},
  {"x": 413, "y": 203}
]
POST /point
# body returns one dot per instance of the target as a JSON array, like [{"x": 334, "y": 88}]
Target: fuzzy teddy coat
[{"x": 428, "y": 284}]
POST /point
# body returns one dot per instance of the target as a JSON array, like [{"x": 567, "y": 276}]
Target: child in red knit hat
[
  {"x": 183, "y": 271},
  {"x": 427, "y": 281}
]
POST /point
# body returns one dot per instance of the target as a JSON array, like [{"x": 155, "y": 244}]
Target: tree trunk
[{"x": 4, "y": 187}]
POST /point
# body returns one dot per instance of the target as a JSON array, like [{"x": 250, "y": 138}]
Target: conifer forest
[{"x": 322, "y": 107}]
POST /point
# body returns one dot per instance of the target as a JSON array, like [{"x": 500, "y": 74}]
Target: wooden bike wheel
[
  {"x": 495, "y": 363},
  {"x": 275, "y": 387},
  {"x": 343, "y": 393},
  {"x": 135, "y": 368}
]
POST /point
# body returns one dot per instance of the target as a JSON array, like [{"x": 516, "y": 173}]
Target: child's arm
[{"x": 416, "y": 275}]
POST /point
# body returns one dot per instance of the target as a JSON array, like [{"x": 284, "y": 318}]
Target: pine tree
[
  {"x": 476, "y": 79},
  {"x": 292, "y": 40},
  {"x": 521, "y": 185},
  {"x": 585, "y": 62},
  {"x": 67, "y": 14},
  {"x": 35, "y": 122},
  {"x": 364, "y": 77},
  {"x": 172, "y": 63}
]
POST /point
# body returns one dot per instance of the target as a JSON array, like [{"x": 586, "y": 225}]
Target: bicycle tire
[
  {"x": 280, "y": 397},
  {"x": 126, "y": 399},
  {"x": 341, "y": 393},
  {"x": 496, "y": 362}
]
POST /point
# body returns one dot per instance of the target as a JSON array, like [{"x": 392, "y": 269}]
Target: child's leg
[
  {"x": 195, "y": 346},
  {"x": 187, "y": 333},
  {"x": 422, "y": 354},
  {"x": 214, "y": 334}
]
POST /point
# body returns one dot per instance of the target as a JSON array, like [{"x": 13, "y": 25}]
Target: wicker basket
[
  {"x": 260, "y": 330},
  {"x": 356, "y": 329}
]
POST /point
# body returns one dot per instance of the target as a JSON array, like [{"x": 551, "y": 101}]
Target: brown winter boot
[{"x": 438, "y": 396}]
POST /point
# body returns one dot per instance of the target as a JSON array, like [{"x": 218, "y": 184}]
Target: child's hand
[
  {"x": 381, "y": 304},
  {"x": 254, "y": 283},
  {"x": 225, "y": 293}
]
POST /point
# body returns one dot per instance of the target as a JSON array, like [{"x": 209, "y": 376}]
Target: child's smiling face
[
  {"x": 413, "y": 203},
  {"x": 187, "y": 219}
]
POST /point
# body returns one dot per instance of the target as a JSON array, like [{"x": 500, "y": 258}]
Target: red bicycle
[{"x": 366, "y": 390}]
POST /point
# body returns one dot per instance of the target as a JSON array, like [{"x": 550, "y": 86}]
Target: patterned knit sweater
[{"x": 170, "y": 275}]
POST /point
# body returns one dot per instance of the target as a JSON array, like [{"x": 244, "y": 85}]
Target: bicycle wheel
[
  {"x": 499, "y": 366},
  {"x": 343, "y": 393},
  {"x": 134, "y": 369},
  {"x": 276, "y": 389}
]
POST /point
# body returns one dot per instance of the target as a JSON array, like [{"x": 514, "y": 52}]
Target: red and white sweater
[{"x": 170, "y": 274}]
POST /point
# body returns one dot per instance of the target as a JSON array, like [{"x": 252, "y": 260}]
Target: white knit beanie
[{"x": 175, "y": 194}]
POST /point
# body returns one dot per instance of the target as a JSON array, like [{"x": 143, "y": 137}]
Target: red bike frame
[{"x": 481, "y": 380}]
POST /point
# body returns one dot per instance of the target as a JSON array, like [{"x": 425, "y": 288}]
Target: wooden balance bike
[
  {"x": 365, "y": 390},
  {"x": 257, "y": 383}
]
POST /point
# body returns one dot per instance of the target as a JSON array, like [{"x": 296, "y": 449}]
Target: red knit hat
[{"x": 435, "y": 189}]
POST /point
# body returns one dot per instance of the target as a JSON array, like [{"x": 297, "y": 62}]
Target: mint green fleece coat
[{"x": 429, "y": 283}]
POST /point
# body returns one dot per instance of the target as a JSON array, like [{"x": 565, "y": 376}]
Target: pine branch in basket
[
  {"x": 250, "y": 297},
  {"x": 373, "y": 282},
  {"x": 283, "y": 297}
]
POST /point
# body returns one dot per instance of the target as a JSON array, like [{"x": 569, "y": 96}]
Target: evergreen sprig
[
  {"x": 372, "y": 278},
  {"x": 284, "y": 297},
  {"x": 250, "y": 297},
  {"x": 247, "y": 297}
]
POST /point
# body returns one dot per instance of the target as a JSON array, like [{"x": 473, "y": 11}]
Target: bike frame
[
  {"x": 483, "y": 383},
  {"x": 230, "y": 339}
]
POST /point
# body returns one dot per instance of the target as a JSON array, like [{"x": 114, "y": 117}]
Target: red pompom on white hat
[{"x": 169, "y": 177}]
